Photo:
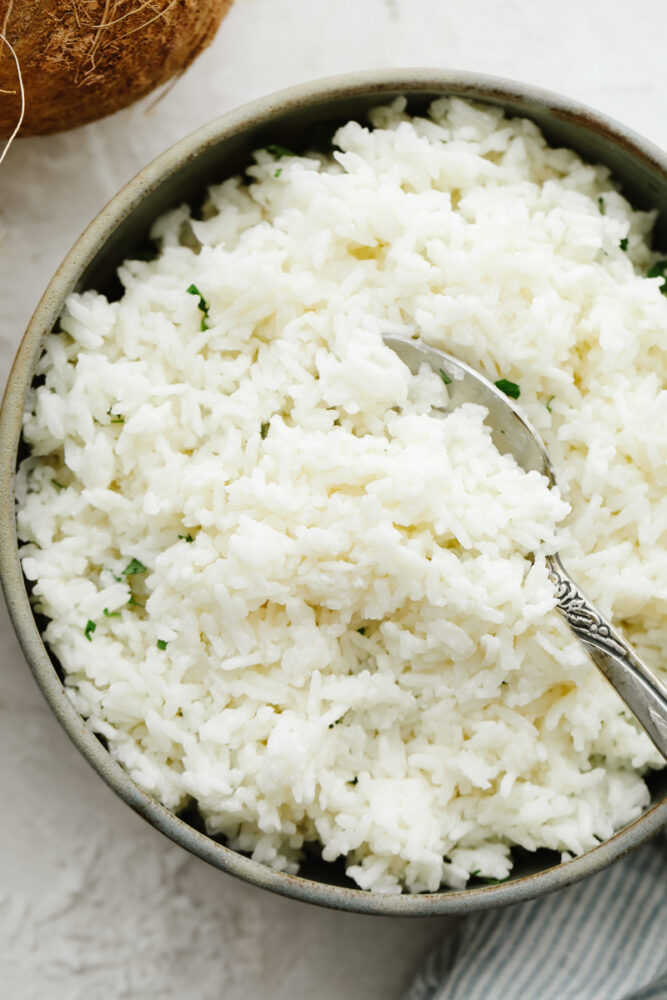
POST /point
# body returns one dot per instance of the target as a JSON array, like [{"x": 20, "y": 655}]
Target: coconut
[{"x": 82, "y": 59}]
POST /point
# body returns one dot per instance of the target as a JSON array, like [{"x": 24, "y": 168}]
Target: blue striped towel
[{"x": 602, "y": 939}]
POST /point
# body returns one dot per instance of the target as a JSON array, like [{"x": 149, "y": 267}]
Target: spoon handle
[{"x": 643, "y": 693}]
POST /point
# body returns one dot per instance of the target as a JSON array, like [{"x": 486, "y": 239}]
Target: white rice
[{"x": 358, "y": 651}]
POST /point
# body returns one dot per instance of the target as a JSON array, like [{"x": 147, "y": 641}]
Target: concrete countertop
[{"x": 93, "y": 902}]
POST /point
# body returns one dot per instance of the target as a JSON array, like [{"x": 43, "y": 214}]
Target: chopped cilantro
[
  {"x": 57, "y": 484},
  {"x": 89, "y": 629},
  {"x": 278, "y": 151},
  {"x": 602, "y": 208},
  {"x": 116, "y": 418},
  {"x": 263, "y": 431},
  {"x": 353, "y": 781},
  {"x": 624, "y": 244},
  {"x": 510, "y": 389},
  {"x": 475, "y": 873},
  {"x": 134, "y": 603},
  {"x": 548, "y": 403},
  {"x": 278, "y": 172},
  {"x": 134, "y": 566},
  {"x": 187, "y": 538},
  {"x": 161, "y": 644},
  {"x": 202, "y": 305},
  {"x": 496, "y": 881},
  {"x": 445, "y": 377},
  {"x": 111, "y": 614},
  {"x": 659, "y": 270}
]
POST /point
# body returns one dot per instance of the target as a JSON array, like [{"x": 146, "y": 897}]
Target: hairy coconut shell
[{"x": 83, "y": 59}]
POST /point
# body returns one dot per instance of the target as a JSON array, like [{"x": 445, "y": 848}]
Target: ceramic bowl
[{"x": 292, "y": 118}]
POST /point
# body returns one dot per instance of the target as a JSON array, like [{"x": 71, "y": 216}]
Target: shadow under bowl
[{"x": 300, "y": 118}]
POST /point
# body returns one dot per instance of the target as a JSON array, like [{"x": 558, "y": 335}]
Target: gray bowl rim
[{"x": 410, "y": 81}]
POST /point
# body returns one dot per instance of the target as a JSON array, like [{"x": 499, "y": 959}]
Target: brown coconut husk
[{"x": 83, "y": 59}]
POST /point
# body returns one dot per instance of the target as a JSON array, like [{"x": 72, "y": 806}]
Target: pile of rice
[{"x": 284, "y": 586}]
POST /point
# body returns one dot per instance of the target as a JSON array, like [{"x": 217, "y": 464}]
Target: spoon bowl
[{"x": 511, "y": 431}]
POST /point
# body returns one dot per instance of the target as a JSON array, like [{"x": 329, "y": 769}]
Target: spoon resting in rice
[{"x": 643, "y": 693}]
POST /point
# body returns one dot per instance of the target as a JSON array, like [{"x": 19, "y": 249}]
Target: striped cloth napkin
[{"x": 602, "y": 939}]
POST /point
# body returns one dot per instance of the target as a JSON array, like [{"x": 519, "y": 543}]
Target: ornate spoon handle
[{"x": 643, "y": 693}]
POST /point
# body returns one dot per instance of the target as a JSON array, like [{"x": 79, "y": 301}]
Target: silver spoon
[{"x": 643, "y": 693}]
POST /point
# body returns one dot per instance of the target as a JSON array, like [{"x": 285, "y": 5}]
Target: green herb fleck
[
  {"x": 496, "y": 881},
  {"x": 263, "y": 431},
  {"x": 362, "y": 630},
  {"x": 659, "y": 270},
  {"x": 445, "y": 377},
  {"x": 278, "y": 172},
  {"x": 353, "y": 781},
  {"x": 161, "y": 644},
  {"x": 186, "y": 538},
  {"x": 503, "y": 683},
  {"x": 475, "y": 873},
  {"x": 60, "y": 486},
  {"x": 111, "y": 614},
  {"x": 116, "y": 418},
  {"x": 624, "y": 244},
  {"x": 510, "y": 389},
  {"x": 549, "y": 402},
  {"x": 89, "y": 629},
  {"x": 202, "y": 305},
  {"x": 278, "y": 151},
  {"x": 601, "y": 206},
  {"x": 133, "y": 567},
  {"x": 134, "y": 603}
]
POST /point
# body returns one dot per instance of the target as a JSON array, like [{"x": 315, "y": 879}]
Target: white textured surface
[{"x": 92, "y": 901}]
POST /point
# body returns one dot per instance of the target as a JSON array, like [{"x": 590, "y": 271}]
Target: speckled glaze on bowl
[{"x": 213, "y": 152}]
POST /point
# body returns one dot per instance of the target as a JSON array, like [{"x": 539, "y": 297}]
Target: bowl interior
[{"x": 300, "y": 119}]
